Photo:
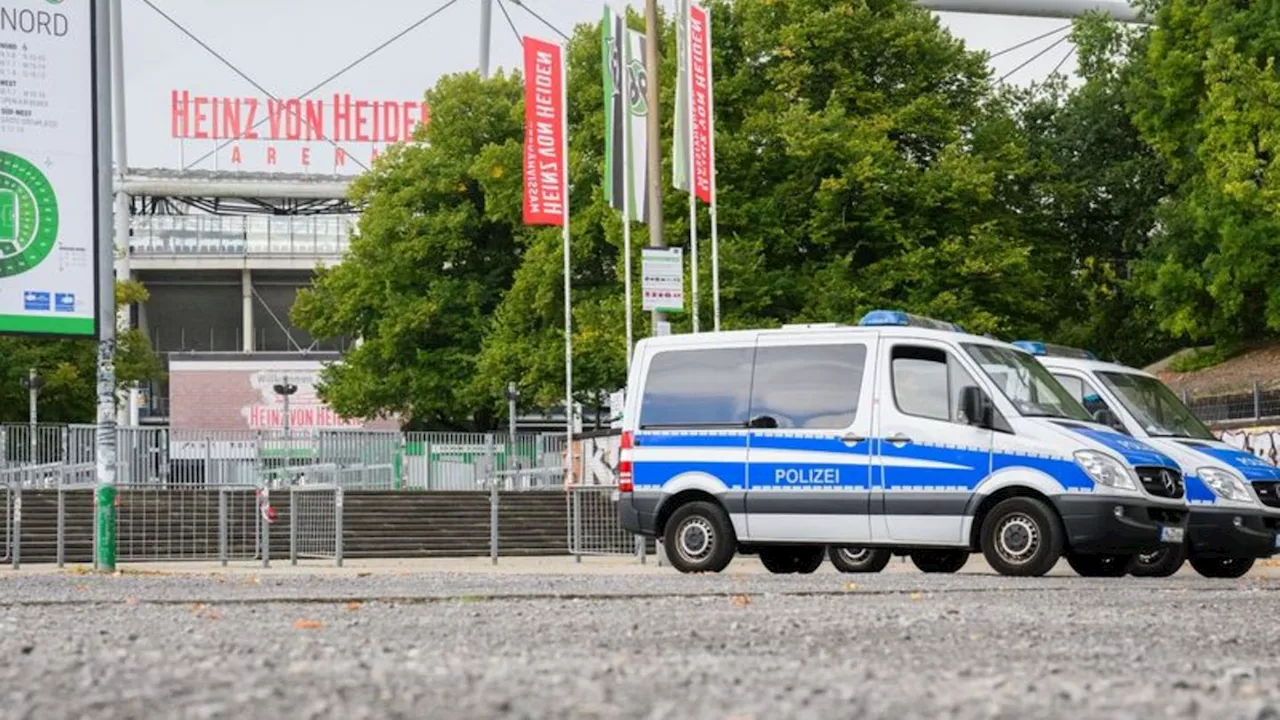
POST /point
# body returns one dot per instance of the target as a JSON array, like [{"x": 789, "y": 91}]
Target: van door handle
[
  {"x": 851, "y": 439},
  {"x": 898, "y": 439}
]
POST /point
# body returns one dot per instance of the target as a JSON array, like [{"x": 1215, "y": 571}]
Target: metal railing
[
  {"x": 1253, "y": 404},
  {"x": 594, "y": 527},
  {"x": 162, "y": 524},
  {"x": 315, "y": 523}
]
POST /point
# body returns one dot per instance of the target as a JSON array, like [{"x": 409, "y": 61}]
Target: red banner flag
[
  {"x": 545, "y": 162},
  {"x": 700, "y": 107}
]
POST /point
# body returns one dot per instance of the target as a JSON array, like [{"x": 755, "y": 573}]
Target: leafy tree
[
  {"x": 432, "y": 256},
  {"x": 69, "y": 369},
  {"x": 1205, "y": 96},
  {"x": 1095, "y": 192}
]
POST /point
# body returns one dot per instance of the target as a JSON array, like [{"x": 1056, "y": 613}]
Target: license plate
[
  {"x": 615, "y": 496},
  {"x": 1278, "y": 541},
  {"x": 1171, "y": 534}
]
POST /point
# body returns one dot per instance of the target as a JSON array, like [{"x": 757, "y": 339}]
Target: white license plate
[
  {"x": 1278, "y": 541},
  {"x": 615, "y": 496},
  {"x": 1171, "y": 534}
]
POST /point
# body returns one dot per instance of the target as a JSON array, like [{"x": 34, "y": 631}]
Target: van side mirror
[
  {"x": 976, "y": 407},
  {"x": 1104, "y": 416}
]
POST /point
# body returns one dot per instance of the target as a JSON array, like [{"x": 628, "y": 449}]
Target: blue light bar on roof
[
  {"x": 897, "y": 318},
  {"x": 1050, "y": 350}
]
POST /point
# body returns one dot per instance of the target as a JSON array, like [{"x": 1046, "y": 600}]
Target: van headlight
[
  {"x": 1105, "y": 470},
  {"x": 1224, "y": 484}
]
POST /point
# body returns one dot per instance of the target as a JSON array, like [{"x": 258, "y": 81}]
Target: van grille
[
  {"x": 1161, "y": 482},
  {"x": 1268, "y": 493}
]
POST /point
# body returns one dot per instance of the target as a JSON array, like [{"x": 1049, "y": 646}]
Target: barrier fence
[
  {"x": 205, "y": 496},
  {"x": 315, "y": 523}
]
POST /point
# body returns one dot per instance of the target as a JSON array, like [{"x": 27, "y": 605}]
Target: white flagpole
[
  {"x": 568, "y": 308},
  {"x": 693, "y": 194},
  {"x": 715, "y": 192},
  {"x": 626, "y": 189}
]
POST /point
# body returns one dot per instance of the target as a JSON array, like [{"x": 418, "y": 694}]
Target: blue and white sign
[
  {"x": 33, "y": 301},
  {"x": 64, "y": 302}
]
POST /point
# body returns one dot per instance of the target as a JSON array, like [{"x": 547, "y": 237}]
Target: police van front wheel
[
  {"x": 1221, "y": 567},
  {"x": 1159, "y": 563},
  {"x": 1021, "y": 536},
  {"x": 699, "y": 538}
]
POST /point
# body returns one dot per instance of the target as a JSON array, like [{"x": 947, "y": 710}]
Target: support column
[{"x": 246, "y": 295}]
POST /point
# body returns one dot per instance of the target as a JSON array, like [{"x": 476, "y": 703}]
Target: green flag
[{"x": 613, "y": 57}]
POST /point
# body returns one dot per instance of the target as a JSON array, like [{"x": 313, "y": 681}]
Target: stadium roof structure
[{"x": 165, "y": 191}]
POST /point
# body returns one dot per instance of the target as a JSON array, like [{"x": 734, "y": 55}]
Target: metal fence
[
  {"x": 315, "y": 523},
  {"x": 594, "y": 528},
  {"x": 157, "y": 523},
  {"x": 1245, "y": 405}
]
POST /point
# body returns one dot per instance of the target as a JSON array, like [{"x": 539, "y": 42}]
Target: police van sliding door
[
  {"x": 929, "y": 460},
  {"x": 809, "y": 452}
]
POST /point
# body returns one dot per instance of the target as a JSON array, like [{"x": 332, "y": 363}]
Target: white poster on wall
[{"x": 47, "y": 168}]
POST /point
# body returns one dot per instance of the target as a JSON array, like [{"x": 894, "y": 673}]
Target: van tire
[
  {"x": 940, "y": 561},
  {"x": 1221, "y": 567},
  {"x": 855, "y": 559},
  {"x": 1016, "y": 520},
  {"x": 788, "y": 559},
  {"x": 1161, "y": 563},
  {"x": 1100, "y": 565},
  {"x": 700, "y": 522}
]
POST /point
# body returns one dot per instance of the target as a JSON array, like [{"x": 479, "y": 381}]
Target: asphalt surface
[{"x": 636, "y": 645}]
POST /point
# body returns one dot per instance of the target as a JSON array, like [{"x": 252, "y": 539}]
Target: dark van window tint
[
  {"x": 814, "y": 386},
  {"x": 692, "y": 388}
]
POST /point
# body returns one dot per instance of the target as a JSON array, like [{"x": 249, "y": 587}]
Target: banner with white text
[{"x": 545, "y": 172}]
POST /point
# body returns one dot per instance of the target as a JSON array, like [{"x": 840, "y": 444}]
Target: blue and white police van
[
  {"x": 901, "y": 435},
  {"x": 1232, "y": 495}
]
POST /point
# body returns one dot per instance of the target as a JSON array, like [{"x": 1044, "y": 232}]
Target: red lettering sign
[
  {"x": 703, "y": 124},
  {"x": 545, "y": 169},
  {"x": 342, "y": 119}
]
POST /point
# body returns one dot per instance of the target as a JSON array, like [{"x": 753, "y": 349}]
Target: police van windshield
[
  {"x": 1026, "y": 383},
  {"x": 1155, "y": 406}
]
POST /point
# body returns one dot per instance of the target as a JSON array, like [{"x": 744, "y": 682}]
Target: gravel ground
[{"x": 626, "y": 645}]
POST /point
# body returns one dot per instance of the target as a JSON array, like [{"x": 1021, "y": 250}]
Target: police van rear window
[{"x": 698, "y": 388}]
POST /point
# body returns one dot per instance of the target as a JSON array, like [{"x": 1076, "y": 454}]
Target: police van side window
[
  {"x": 927, "y": 382},
  {"x": 697, "y": 388},
  {"x": 807, "y": 386},
  {"x": 1084, "y": 393}
]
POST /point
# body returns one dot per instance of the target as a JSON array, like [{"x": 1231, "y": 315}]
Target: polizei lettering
[
  {"x": 33, "y": 22},
  {"x": 807, "y": 476}
]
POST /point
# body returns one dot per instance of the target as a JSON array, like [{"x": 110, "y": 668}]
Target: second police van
[
  {"x": 901, "y": 435},
  {"x": 1232, "y": 494}
]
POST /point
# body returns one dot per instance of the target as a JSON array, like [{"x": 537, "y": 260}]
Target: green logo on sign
[
  {"x": 28, "y": 216},
  {"x": 638, "y": 88}
]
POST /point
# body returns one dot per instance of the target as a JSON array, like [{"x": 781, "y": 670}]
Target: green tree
[
  {"x": 436, "y": 246},
  {"x": 69, "y": 369},
  {"x": 1206, "y": 96},
  {"x": 1095, "y": 192}
]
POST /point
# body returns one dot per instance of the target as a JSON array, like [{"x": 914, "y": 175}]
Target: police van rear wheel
[
  {"x": 699, "y": 538},
  {"x": 1021, "y": 536},
  {"x": 1221, "y": 567},
  {"x": 1099, "y": 565},
  {"x": 1160, "y": 563},
  {"x": 940, "y": 561},
  {"x": 787, "y": 559},
  {"x": 853, "y": 559}
]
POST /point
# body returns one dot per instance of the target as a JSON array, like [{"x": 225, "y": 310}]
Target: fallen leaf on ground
[
  {"x": 917, "y": 596},
  {"x": 131, "y": 601},
  {"x": 307, "y": 624},
  {"x": 850, "y": 586},
  {"x": 740, "y": 600},
  {"x": 353, "y": 606}
]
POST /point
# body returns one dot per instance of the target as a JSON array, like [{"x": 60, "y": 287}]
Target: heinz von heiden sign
[{"x": 265, "y": 123}]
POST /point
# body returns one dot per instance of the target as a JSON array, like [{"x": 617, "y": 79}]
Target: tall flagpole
[
  {"x": 715, "y": 191},
  {"x": 568, "y": 307},
  {"x": 683, "y": 21},
  {"x": 654, "y": 131},
  {"x": 626, "y": 208}
]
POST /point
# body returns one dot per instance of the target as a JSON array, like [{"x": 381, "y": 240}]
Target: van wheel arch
[
  {"x": 999, "y": 496},
  {"x": 673, "y": 503}
]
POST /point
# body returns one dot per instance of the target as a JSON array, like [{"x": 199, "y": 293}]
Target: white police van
[
  {"x": 1235, "y": 509},
  {"x": 899, "y": 435}
]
